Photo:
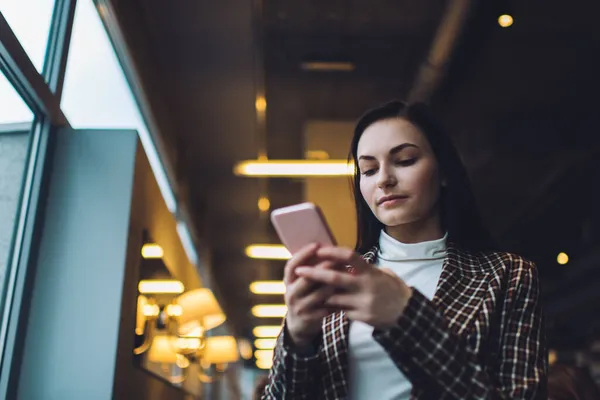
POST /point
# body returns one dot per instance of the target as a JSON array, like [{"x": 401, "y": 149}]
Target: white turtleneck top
[{"x": 372, "y": 372}]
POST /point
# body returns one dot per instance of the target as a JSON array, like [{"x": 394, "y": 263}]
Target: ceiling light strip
[
  {"x": 268, "y": 252},
  {"x": 269, "y": 310},
  {"x": 267, "y": 331},
  {"x": 267, "y": 287},
  {"x": 294, "y": 168}
]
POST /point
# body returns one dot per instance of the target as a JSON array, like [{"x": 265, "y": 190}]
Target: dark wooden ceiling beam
[{"x": 448, "y": 35}]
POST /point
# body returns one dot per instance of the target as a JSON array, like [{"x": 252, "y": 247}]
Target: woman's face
[{"x": 399, "y": 177}]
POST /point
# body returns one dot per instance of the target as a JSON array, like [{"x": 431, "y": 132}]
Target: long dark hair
[{"x": 459, "y": 213}]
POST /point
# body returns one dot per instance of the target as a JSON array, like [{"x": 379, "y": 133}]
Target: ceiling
[{"x": 521, "y": 104}]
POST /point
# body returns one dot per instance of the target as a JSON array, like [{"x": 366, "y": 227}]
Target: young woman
[{"x": 430, "y": 310}]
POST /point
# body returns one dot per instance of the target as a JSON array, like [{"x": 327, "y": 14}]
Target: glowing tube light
[
  {"x": 294, "y": 168},
  {"x": 268, "y": 252}
]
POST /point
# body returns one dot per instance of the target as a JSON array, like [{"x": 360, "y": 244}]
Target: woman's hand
[
  {"x": 374, "y": 296},
  {"x": 304, "y": 298}
]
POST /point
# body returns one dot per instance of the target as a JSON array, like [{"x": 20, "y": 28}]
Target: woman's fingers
[
  {"x": 313, "y": 301},
  {"x": 341, "y": 301},
  {"x": 330, "y": 277},
  {"x": 343, "y": 256},
  {"x": 328, "y": 264},
  {"x": 300, "y": 288},
  {"x": 300, "y": 258}
]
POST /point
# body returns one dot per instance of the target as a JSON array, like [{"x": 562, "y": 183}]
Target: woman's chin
[{"x": 395, "y": 218}]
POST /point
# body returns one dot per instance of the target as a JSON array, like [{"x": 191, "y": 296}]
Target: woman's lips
[{"x": 389, "y": 201}]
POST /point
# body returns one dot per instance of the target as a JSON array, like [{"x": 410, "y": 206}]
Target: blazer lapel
[{"x": 461, "y": 289}]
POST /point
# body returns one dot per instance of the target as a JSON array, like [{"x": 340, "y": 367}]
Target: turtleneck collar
[{"x": 391, "y": 249}]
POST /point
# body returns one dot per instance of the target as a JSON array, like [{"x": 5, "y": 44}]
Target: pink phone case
[{"x": 300, "y": 225}]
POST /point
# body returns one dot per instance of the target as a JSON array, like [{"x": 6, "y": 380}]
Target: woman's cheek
[
  {"x": 424, "y": 180},
  {"x": 367, "y": 189},
  {"x": 364, "y": 192}
]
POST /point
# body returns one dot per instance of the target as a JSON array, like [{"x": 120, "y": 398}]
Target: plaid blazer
[{"x": 480, "y": 337}]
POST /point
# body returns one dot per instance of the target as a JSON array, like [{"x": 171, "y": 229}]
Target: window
[
  {"x": 96, "y": 93},
  {"x": 92, "y": 92},
  {"x": 12, "y": 108},
  {"x": 30, "y": 22},
  {"x": 15, "y": 125}
]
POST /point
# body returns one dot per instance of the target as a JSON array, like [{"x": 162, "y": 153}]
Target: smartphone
[{"x": 300, "y": 225}]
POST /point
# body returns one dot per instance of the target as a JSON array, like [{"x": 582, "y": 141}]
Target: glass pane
[
  {"x": 12, "y": 108},
  {"x": 15, "y": 125},
  {"x": 30, "y": 21},
  {"x": 96, "y": 93}
]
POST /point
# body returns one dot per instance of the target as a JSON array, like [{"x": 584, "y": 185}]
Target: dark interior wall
[
  {"x": 140, "y": 33},
  {"x": 132, "y": 382}
]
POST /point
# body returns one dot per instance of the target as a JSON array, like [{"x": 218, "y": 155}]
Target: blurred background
[{"x": 143, "y": 145}]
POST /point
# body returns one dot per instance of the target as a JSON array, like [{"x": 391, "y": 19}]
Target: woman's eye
[
  {"x": 369, "y": 172},
  {"x": 406, "y": 163}
]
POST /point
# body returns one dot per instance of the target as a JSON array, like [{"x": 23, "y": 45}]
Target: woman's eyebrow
[{"x": 392, "y": 151}]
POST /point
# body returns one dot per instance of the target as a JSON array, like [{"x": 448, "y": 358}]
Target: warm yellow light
[
  {"x": 154, "y": 286},
  {"x": 267, "y": 331},
  {"x": 220, "y": 350},
  {"x": 182, "y": 362},
  {"x": 267, "y": 287},
  {"x": 294, "y": 168},
  {"x": 162, "y": 350},
  {"x": 187, "y": 343},
  {"x": 269, "y": 310},
  {"x": 265, "y": 344},
  {"x": 150, "y": 310},
  {"x": 264, "y": 204},
  {"x": 505, "y": 20},
  {"x": 268, "y": 252},
  {"x": 261, "y": 104},
  {"x": 562, "y": 258},
  {"x": 263, "y": 354},
  {"x": 140, "y": 318},
  {"x": 199, "y": 308},
  {"x": 152, "y": 250},
  {"x": 174, "y": 310},
  {"x": 552, "y": 357},
  {"x": 196, "y": 332},
  {"x": 264, "y": 363},
  {"x": 317, "y": 155},
  {"x": 245, "y": 349}
]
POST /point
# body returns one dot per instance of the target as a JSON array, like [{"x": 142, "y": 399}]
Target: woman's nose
[{"x": 386, "y": 178}]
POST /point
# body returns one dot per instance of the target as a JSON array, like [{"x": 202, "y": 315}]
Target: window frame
[{"x": 42, "y": 93}]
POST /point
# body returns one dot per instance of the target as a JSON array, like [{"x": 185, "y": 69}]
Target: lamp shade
[
  {"x": 199, "y": 308},
  {"x": 220, "y": 350},
  {"x": 162, "y": 350}
]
